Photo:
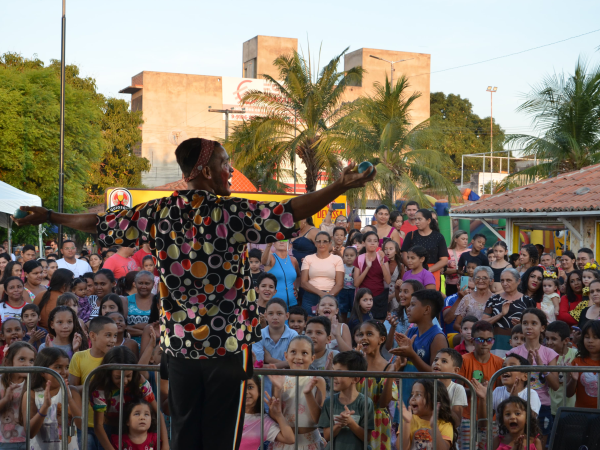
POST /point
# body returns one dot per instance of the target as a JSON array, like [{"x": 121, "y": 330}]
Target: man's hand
[
  {"x": 37, "y": 215},
  {"x": 351, "y": 180}
]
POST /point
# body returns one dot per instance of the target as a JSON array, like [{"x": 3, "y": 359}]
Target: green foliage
[
  {"x": 298, "y": 118},
  {"x": 378, "y": 129},
  {"x": 565, "y": 111}
]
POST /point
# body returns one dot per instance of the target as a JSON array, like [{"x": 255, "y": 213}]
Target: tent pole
[
  {"x": 10, "y": 252},
  {"x": 42, "y": 253}
]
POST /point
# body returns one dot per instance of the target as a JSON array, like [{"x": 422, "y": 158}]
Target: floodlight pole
[
  {"x": 491, "y": 91},
  {"x": 61, "y": 173},
  {"x": 227, "y": 112},
  {"x": 391, "y": 67}
]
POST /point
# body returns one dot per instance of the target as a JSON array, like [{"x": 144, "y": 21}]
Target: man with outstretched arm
[{"x": 209, "y": 318}]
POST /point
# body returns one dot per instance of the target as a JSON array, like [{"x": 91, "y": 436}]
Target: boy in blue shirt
[{"x": 276, "y": 336}]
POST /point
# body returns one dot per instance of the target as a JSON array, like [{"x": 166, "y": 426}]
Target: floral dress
[
  {"x": 470, "y": 307},
  {"x": 381, "y": 436}
]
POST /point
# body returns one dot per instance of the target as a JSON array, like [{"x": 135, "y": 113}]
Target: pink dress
[{"x": 251, "y": 432}]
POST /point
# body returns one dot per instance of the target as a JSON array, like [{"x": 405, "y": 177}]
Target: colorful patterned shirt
[{"x": 199, "y": 242}]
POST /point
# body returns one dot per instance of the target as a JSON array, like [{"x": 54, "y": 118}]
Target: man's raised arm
[{"x": 39, "y": 215}]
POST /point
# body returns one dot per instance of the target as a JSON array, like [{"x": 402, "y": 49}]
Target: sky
[{"x": 113, "y": 40}]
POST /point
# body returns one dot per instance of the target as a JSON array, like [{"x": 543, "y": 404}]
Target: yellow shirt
[
  {"x": 81, "y": 366},
  {"x": 420, "y": 433}
]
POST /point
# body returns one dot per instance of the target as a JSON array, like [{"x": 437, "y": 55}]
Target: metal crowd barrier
[
  {"x": 351, "y": 374},
  {"x": 532, "y": 369},
  {"x": 85, "y": 398},
  {"x": 66, "y": 430}
]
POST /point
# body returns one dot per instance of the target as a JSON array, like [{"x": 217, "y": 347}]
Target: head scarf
[{"x": 206, "y": 150}]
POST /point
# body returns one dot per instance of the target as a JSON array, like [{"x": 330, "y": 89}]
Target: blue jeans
[
  {"x": 308, "y": 301},
  {"x": 346, "y": 300},
  {"x": 92, "y": 444},
  {"x": 14, "y": 445}
]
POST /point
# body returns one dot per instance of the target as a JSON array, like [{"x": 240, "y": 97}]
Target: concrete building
[{"x": 176, "y": 106}]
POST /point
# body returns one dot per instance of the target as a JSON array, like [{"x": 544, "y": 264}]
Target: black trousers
[
  {"x": 380, "y": 306},
  {"x": 207, "y": 401}
]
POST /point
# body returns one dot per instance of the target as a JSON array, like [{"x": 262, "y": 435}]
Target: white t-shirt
[
  {"x": 458, "y": 396},
  {"x": 79, "y": 268},
  {"x": 8, "y": 312},
  {"x": 501, "y": 393}
]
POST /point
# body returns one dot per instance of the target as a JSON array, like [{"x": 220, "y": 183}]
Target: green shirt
[
  {"x": 556, "y": 397},
  {"x": 346, "y": 439}
]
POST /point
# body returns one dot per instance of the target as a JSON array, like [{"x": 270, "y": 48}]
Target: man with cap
[{"x": 209, "y": 318}]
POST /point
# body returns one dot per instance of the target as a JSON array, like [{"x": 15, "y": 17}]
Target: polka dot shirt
[{"x": 199, "y": 243}]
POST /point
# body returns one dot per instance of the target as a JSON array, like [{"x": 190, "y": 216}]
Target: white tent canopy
[{"x": 11, "y": 199}]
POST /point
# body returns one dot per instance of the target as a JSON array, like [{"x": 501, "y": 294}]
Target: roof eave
[{"x": 523, "y": 214}]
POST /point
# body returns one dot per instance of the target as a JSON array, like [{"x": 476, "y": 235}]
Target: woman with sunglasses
[
  {"x": 322, "y": 274},
  {"x": 504, "y": 310},
  {"x": 286, "y": 270}
]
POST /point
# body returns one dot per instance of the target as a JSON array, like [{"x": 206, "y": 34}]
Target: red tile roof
[
  {"x": 557, "y": 194},
  {"x": 239, "y": 183}
]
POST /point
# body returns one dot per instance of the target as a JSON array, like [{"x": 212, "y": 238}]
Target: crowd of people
[{"x": 391, "y": 296}]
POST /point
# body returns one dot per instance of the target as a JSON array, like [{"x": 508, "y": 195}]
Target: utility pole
[
  {"x": 491, "y": 91},
  {"x": 391, "y": 66},
  {"x": 61, "y": 173},
  {"x": 227, "y": 112}
]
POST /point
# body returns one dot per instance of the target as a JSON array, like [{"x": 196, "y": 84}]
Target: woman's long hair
[
  {"x": 524, "y": 286},
  {"x": 76, "y": 326},
  {"x": 8, "y": 270},
  {"x": 61, "y": 281},
  {"x": 569, "y": 293},
  {"x": 427, "y": 215},
  {"x": 102, "y": 381},
  {"x": 445, "y": 411},
  {"x": 455, "y": 236}
]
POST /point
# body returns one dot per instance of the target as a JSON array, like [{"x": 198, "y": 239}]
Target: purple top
[{"x": 425, "y": 277}]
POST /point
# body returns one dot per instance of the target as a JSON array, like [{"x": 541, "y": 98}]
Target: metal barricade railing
[
  {"x": 352, "y": 374},
  {"x": 85, "y": 398},
  {"x": 66, "y": 430},
  {"x": 532, "y": 369}
]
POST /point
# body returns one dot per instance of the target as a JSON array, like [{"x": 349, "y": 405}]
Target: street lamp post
[
  {"x": 391, "y": 66},
  {"x": 61, "y": 170},
  {"x": 491, "y": 90}
]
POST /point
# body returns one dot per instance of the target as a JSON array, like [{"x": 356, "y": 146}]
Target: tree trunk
[{"x": 308, "y": 157}]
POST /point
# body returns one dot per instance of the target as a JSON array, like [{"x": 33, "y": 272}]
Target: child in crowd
[
  {"x": 138, "y": 427},
  {"x": 371, "y": 340},
  {"x": 551, "y": 300},
  {"x": 254, "y": 257},
  {"x": 392, "y": 253},
  {"x": 418, "y": 424},
  {"x": 276, "y": 337},
  {"x": 121, "y": 334},
  {"x": 265, "y": 286},
  {"x": 20, "y": 354},
  {"x": 558, "y": 336},
  {"x": 297, "y": 319},
  {"x": 149, "y": 265},
  {"x": 337, "y": 241},
  {"x": 397, "y": 322},
  {"x": 588, "y": 274},
  {"x": 103, "y": 337},
  {"x": 318, "y": 329},
  {"x": 475, "y": 255},
  {"x": 72, "y": 301},
  {"x": 34, "y": 334},
  {"x": 12, "y": 302},
  {"x": 584, "y": 384},
  {"x": 104, "y": 390},
  {"x": 534, "y": 323},
  {"x": 45, "y": 403},
  {"x": 348, "y": 406},
  {"x": 448, "y": 360},
  {"x": 79, "y": 287},
  {"x": 356, "y": 241},
  {"x": 346, "y": 294},
  {"x": 361, "y": 311},
  {"x": 299, "y": 356},
  {"x": 275, "y": 427},
  {"x": 479, "y": 365},
  {"x": 466, "y": 344},
  {"x": 516, "y": 336},
  {"x": 105, "y": 283},
  {"x": 10, "y": 331},
  {"x": 89, "y": 279},
  {"x": 416, "y": 262},
  {"x": 512, "y": 416},
  {"x": 111, "y": 303},
  {"x": 341, "y": 340},
  {"x": 64, "y": 331}
]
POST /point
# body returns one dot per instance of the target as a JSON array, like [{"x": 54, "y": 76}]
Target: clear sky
[{"x": 113, "y": 40}]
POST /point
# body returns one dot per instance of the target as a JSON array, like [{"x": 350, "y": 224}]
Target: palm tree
[
  {"x": 565, "y": 112},
  {"x": 378, "y": 129},
  {"x": 296, "y": 120}
]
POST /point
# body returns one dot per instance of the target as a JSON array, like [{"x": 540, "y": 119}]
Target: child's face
[
  {"x": 499, "y": 253},
  {"x": 413, "y": 261},
  {"x": 415, "y": 311},
  {"x": 61, "y": 366},
  {"x": 483, "y": 341},
  {"x": 115, "y": 376},
  {"x": 254, "y": 265},
  {"x": 276, "y": 316},
  {"x": 105, "y": 339},
  {"x": 266, "y": 289},
  {"x": 514, "y": 418},
  {"x": 516, "y": 339},
  {"x": 359, "y": 246},
  {"x": 74, "y": 306},
  {"x": 44, "y": 268},
  {"x": 370, "y": 338},
  {"x": 109, "y": 307},
  {"x": 366, "y": 303},
  {"x": 418, "y": 400},
  {"x": 591, "y": 343},
  {"x": 587, "y": 277},
  {"x": 349, "y": 256},
  {"x": 327, "y": 307},
  {"x": 470, "y": 269},
  {"x": 390, "y": 250},
  {"x": 554, "y": 341},
  {"x": 299, "y": 355},
  {"x": 80, "y": 290},
  {"x": 91, "y": 289},
  {"x": 465, "y": 331},
  {"x": 140, "y": 419},
  {"x": 342, "y": 383},
  {"x": 510, "y": 378},
  {"x": 491, "y": 257},
  {"x": 478, "y": 244},
  {"x": 405, "y": 294},
  {"x": 252, "y": 393},
  {"x": 338, "y": 237},
  {"x": 30, "y": 319},
  {"x": 52, "y": 266},
  {"x": 443, "y": 363},
  {"x": 297, "y": 323},
  {"x": 319, "y": 336},
  {"x": 398, "y": 223},
  {"x": 24, "y": 358},
  {"x": 119, "y": 321},
  {"x": 548, "y": 286},
  {"x": 12, "y": 331},
  {"x": 62, "y": 324},
  {"x": 595, "y": 293},
  {"x": 149, "y": 265},
  {"x": 372, "y": 243},
  {"x": 532, "y": 327}
]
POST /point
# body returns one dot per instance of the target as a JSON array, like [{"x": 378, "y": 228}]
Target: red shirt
[
  {"x": 407, "y": 227},
  {"x": 139, "y": 258},
  {"x": 120, "y": 266},
  {"x": 565, "y": 307},
  {"x": 587, "y": 386},
  {"x": 374, "y": 278},
  {"x": 149, "y": 443},
  {"x": 461, "y": 348}
]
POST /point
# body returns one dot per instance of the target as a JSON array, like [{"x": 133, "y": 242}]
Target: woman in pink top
[
  {"x": 460, "y": 242},
  {"x": 322, "y": 274}
]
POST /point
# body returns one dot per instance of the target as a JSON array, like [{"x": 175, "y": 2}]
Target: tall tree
[
  {"x": 565, "y": 113},
  {"x": 298, "y": 116}
]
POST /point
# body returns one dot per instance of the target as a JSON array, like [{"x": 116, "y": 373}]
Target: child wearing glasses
[{"x": 479, "y": 365}]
